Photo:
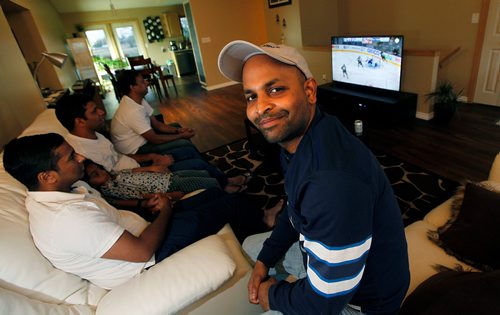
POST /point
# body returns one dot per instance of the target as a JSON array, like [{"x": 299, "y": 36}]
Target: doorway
[
  {"x": 30, "y": 43},
  {"x": 487, "y": 89}
]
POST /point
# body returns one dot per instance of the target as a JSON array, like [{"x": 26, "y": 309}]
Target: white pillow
[{"x": 173, "y": 283}]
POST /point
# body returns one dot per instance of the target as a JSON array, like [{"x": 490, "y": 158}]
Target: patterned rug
[{"x": 417, "y": 191}]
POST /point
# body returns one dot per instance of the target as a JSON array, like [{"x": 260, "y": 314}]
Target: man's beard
[{"x": 287, "y": 132}]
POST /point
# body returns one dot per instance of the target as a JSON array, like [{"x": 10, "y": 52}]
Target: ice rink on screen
[{"x": 380, "y": 73}]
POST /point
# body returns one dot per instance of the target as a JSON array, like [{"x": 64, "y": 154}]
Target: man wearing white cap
[{"x": 341, "y": 208}]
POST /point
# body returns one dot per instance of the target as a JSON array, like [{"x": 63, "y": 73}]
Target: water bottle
[{"x": 358, "y": 128}]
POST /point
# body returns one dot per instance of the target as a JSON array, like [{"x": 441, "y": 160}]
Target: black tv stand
[{"x": 373, "y": 106}]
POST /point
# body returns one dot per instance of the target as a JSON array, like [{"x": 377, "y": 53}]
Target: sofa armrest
[
  {"x": 439, "y": 215},
  {"x": 173, "y": 283},
  {"x": 495, "y": 170}
]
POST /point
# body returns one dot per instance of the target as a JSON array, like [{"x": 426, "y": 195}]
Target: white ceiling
[{"x": 65, "y": 6}]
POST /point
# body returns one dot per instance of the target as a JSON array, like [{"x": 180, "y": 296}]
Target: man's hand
[
  {"x": 259, "y": 275},
  {"x": 264, "y": 293},
  {"x": 159, "y": 159},
  {"x": 156, "y": 202},
  {"x": 186, "y": 133},
  {"x": 157, "y": 169}
]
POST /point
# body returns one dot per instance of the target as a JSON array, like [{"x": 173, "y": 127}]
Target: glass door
[
  {"x": 99, "y": 42},
  {"x": 128, "y": 40},
  {"x": 111, "y": 44}
]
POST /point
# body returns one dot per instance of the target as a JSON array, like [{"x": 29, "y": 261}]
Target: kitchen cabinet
[{"x": 172, "y": 25}]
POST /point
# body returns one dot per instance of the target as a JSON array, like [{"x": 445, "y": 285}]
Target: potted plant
[{"x": 445, "y": 100}]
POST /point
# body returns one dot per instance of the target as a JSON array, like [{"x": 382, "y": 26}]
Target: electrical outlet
[
  {"x": 324, "y": 77},
  {"x": 475, "y": 18}
]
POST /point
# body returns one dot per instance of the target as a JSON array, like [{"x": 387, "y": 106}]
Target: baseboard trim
[
  {"x": 424, "y": 116},
  {"x": 218, "y": 86}
]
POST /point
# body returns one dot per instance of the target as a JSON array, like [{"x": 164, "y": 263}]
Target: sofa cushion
[
  {"x": 472, "y": 234},
  {"x": 15, "y": 303},
  {"x": 175, "y": 282},
  {"x": 456, "y": 292},
  {"x": 424, "y": 255},
  {"x": 45, "y": 122}
]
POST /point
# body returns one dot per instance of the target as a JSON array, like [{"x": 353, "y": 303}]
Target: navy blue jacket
[{"x": 342, "y": 208}]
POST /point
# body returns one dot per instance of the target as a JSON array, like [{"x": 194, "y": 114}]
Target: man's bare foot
[{"x": 271, "y": 214}]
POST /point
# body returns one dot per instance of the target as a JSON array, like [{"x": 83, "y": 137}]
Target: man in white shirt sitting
[{"x": 134, "y": 128}]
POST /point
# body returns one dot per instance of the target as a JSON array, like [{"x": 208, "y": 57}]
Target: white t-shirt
[
  {"x": 101, "y": 151},
  {"x": 73, "y": 230},
  {"x": 130, "y": 121}
]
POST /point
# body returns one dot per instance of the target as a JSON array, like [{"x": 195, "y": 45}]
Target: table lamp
[{"x": 57, "y": 59}]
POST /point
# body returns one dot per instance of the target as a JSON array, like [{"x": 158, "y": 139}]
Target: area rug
[{"x": 417, "y": 191}]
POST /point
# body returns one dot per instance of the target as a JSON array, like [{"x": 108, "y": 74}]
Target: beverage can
[{"x": 358, "y": 127}]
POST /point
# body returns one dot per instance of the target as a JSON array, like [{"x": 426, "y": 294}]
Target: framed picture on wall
[{"x": 277, "y": 3}]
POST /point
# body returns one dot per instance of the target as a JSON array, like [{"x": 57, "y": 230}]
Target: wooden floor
[{"x": 464, "y": 149}]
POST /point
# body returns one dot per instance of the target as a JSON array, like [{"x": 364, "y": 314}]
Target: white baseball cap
[{"x": 234, "y": 55}]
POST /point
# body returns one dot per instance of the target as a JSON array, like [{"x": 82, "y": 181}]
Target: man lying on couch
[{"x": 80, "y": 233}]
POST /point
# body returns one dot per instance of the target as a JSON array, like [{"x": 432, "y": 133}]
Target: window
[
  {"x": 98, "y": 42},
  {"x": 112, "y": 43},
  {"x": 126, "y": 37}
]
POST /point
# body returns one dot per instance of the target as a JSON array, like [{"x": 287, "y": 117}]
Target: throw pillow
[
  {"x": 454, "y": 292},
  {"x": 472, "y": 234},
  {"x": 175, "y": 282}
]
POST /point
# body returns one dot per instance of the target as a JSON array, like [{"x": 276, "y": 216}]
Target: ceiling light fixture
[{"x": 112, "y": 7}]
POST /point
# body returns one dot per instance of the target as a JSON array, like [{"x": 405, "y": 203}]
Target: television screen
[{"x": 368, "y": 60}]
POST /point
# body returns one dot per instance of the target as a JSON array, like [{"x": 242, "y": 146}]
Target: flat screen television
[{"x": 373, "y": 61}]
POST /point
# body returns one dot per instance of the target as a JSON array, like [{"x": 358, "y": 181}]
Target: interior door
[{"x": 488, "y": 79}]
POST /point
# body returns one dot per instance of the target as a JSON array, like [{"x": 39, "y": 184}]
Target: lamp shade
[{"x": 57, "y": 59}]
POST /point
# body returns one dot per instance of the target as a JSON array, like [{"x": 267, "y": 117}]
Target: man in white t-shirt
[
  {"x": 134, "y": 128},
  {"x": 80, "y": 233},
  {"x": 80, "y": 115}
]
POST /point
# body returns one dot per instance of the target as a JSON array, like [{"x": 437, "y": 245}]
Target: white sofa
[
  {"x": 208, "y": 277},
  {"x": 423, "y": 254}
]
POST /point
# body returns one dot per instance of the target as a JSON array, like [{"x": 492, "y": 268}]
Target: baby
[
  {"x": 132, "y": 184},
  {"x": 135, "y": 185}
]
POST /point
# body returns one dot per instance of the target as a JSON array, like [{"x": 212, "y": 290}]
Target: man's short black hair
[
  {"x": 70, "y": 108},
  {"x": 24, "y": 158},
  {"x": 125, "y": 79}
]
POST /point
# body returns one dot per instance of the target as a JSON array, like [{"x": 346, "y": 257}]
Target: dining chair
[
  {"x": 164, "y": 77},
  {"x": 148, "y": 70},
  {"x": 112, "y": 78}
]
